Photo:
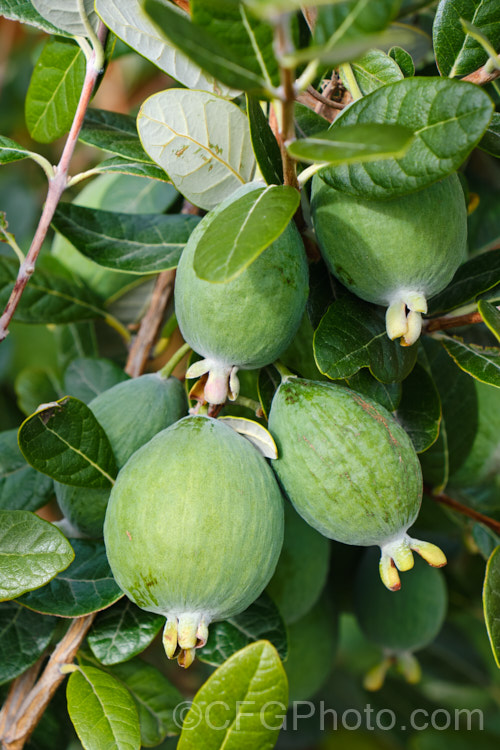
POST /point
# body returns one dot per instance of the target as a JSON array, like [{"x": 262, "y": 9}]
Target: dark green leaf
[
  {"x": 490, "y": 142},
  {"x": 102, "y": 711},
  {"x": 25, "y": 636},
  {"x": 54, "y": 90},
  {"x": 387, "y": 394},
  {"x": 114, "y": 132},
  {"x": 457, "y": 52},
  {"x": 136, "y": 243},
  {"x": 155, "y": 697},
  {"x": 482, "y": 363},
  {"x": 35, "y": 386},
  {"x": 459, "y": 418},
  {"x": 448, "y": 118},
  {"x": 352, "y": 335},
  {"x": 404, "y": 61},
  {"x": 129, "y": 22},
  {"x": 87, "y": 377},
  {"x": 11, "y": 151},
  {"x": 23, "y": 11},
  {"x": 420, "y": 409},
  {"x": 243, "y": 230},
  {"x": 375, "y": 69},
  {"x": 265, "y": 146},
  {"x": 21, "y": 487},
  {"x": 65, "y": 441},
  {"x": 248, "y": 696},
  {"x": 32, "y": 552},
  {"x": 123, "y": 631},
  {"x": 75, "y": 340},
  {"x": 213, "y": 54},
  {"x": 269, "y": 380},
  {"x": 261, "y": 621},
  {"x": 307, "y": 122},
  {"x": 201, "y": 140},
  {"x": 122, "y": 165},
  {"x": 491, "y": 316},
  {"x": 491, "y": 602},
  {"x": 86, "y": 586},
  {"x": 356, "y": 143},
  {"x": 477, "y": 275},
  {"x": 50, "y": 297}
]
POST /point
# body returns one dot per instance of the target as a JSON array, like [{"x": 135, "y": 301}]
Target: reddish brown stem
[
  {"x": 31, "y": 709},
  {"x": 465, "y": 511},
  {"x": 57, "y": 185},
  {"x": 440, "y": 324},
  {"x": 482, "y": 76}
]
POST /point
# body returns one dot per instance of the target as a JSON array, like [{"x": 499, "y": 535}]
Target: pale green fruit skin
[
  {"x": 379, "y": 249},
  {"x": 312, "y": 645},
  {"x": 194, "y": 522},
  {"x": 405, "y": 620},
  {"x": 131, "y": 413},
  {"x": 300, "y": 575},
  {"x": 347, "y": 466},
  {"x": 483, "y": 461},
  {"x": 251, "y": 320}
]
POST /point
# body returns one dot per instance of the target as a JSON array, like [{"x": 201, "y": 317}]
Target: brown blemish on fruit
[
  {"x": 373, "y": 412},
  {"x": 129, "y": 535}
]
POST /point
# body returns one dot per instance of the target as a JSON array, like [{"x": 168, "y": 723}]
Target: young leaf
[
  {"x": 265, "y": 146},
  {"x": 448, "y": 118},
  {"x": 87, "y": 377},
  {"x": 114, "y": 132},
  {"x": 202, "y": 141},
  {"x": 123, "y": 631},
  {"x": 32, "y": 552},
  {"x": 490, "y": 142},
  {"x": 357, "y": 143},
  {"x": 375, "y": 69},
  {"x": 64, "y": 440},
  {"x": 67, "y": 14},
  {"x": 21, "y": 487},
  {"x": 50, "y": 297},
  {"x": 130, "y": 23},
  {"x": 25, "y": 636},
  {"x": 136, "y": 243},
  {"x": 457, "y": 52},
  {"x": 86, "y": 586},
  {"x": 54, "y": 90},
  {"x": 482, "y": 363},
  {"x": 24, "y": 11},
  {"x": 215, "y": 55},
  {"x": 475, "y": 276},
  {"x": 102, "y": 711},
  {"x": 491, "y": 316},
  {"x": 261, "y": 621},
  {"x": 352, "y": 335},
  {"x": 404, "y": 61},
  {"x": 243, "y": 230},
  {"x": 419, "y": 411},
  {"x": 459, "y": 418},
  {"x": 11, "y": 151},
  {"x": 491, "y": 602},
  {"x": 248, "y": 696}
]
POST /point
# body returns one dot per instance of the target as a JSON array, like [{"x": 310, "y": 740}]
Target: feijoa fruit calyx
[
  {"x": 397, "y": 252},
  {"x": 194, "y": 528},
  {"x": 350, "y": 470},
  {"x": 246, "y": 322}
]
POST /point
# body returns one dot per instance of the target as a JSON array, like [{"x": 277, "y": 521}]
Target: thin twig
[
  {"x": 19, "y": 690},
  {"x": 464, "y": 510},
  {"x": 324, "y": 99},
  {"x": 440, "y": 324},
  {"x": 482, "y": 76},
  {"x": 32, "y": 708},
  {"x": 286, "y": 131},
  {"x": 57, "y": 185}
]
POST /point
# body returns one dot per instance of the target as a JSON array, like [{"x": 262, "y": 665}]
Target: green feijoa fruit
[
  {"x": 246, "y": 322},
  {"x": 395, "y": 253},
  {"x": 314, "y": 635},
  {"x": 302, "y": 568},
  {"x": 131, "y": 412},
  {"x": 194, "y": 528},
  {"x": 483, "y": 461},
  {"x": 350, "y": 470},
  {"x": 404, "y": 621}
]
